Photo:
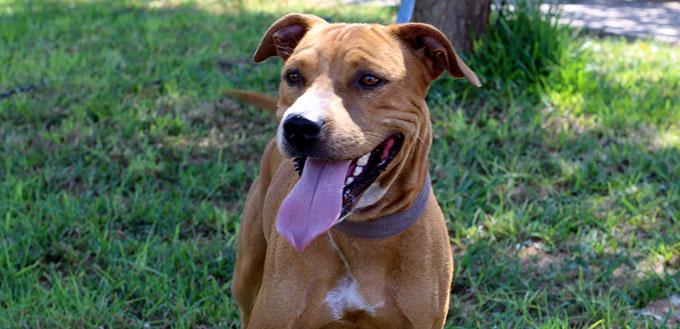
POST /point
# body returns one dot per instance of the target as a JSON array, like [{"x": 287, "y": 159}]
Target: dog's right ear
[{"x": 282, "y": 37}]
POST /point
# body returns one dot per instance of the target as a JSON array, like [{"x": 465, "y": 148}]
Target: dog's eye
[
  {"x": 294, "y": 77},
  {"x": 368, "y": 80}
]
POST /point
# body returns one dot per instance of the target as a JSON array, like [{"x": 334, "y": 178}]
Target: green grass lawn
[{"x": 124, "y": 170}]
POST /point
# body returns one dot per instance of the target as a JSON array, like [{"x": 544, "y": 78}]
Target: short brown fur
[{"x": 405, "y": 278}]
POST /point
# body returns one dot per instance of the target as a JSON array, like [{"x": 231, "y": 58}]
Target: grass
[{"x": 124, "y": 170}]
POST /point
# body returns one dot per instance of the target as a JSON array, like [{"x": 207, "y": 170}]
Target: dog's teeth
[
  {"x": 357, "y": 170},
  {"x": 364, "y": 159},
  {"x": 349, "y": 180}
]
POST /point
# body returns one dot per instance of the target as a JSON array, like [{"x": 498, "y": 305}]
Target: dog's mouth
[
  {"x": 329, "y": 190},
  {"x": 363, "y": 171}
]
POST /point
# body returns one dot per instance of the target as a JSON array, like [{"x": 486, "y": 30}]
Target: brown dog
[{"x": 355, "y": 237}]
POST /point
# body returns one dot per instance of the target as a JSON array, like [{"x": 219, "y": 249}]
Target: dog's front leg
[
  {"x": 251, "y": 247},
  {"x": 251, "y": 244}
]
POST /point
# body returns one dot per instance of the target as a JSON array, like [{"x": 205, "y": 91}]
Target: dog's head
[{"x": 352, "y": 109}]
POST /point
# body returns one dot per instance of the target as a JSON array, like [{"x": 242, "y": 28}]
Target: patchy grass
[{"x": 125, "y": 170}]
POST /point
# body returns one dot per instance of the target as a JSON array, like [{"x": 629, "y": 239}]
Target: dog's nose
[{"x": 301, "y": 132}]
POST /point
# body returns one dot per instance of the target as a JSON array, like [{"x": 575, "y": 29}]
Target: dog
[{"x": 341, "y": 228}]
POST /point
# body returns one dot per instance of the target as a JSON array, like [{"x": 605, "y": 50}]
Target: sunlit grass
[{"x": 616, "y": 76}]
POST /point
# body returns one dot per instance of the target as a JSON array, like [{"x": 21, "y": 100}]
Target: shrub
[{"x": 523, "y": 45}]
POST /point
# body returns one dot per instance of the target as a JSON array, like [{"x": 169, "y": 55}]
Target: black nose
[{"x": 301, "y": 132}]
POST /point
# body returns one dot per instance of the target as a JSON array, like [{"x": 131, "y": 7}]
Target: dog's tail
[{"x": 253, "y": 98}]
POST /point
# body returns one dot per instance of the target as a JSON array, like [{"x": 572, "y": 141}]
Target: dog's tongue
[{"x": 314, "y": 204}]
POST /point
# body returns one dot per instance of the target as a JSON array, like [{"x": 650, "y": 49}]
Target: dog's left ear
[
  {"x": 435, "y": 49},
  {"x": 282, "y": 37}
]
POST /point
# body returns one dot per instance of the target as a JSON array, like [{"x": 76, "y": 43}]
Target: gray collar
[{"x": 385, "y": 227}]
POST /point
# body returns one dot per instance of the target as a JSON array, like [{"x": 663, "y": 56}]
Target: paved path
[{"x": 658, "y": 19}]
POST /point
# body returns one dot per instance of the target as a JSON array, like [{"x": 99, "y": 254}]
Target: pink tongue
[{"x": 314, "y": 204}]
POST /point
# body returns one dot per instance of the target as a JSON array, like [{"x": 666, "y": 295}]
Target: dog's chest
[{"x": 346, "y": 299}]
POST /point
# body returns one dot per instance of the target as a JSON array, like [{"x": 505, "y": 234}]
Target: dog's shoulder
[{"x": 271, "y": 159}]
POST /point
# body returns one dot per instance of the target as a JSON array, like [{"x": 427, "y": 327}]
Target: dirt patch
[
  {"x": 663, "y": 309},
  {"x": 534, "y": 258},
  {"x": 560, "y": 121},
  {"x": 657, "y": 265}
]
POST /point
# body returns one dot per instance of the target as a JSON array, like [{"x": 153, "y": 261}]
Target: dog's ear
[
  {"x": 282, "y": 37},
  {"x": 435, "y": 49}
]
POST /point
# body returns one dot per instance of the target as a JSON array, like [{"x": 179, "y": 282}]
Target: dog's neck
[{"x": 390, "y": 225}]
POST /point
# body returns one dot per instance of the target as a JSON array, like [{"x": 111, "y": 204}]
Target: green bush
[{"x": 520, "y": 49}]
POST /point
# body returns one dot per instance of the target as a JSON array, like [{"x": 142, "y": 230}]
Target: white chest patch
[{"x": 346, "y": 298}]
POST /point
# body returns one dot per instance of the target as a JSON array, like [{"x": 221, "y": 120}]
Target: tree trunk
[{"x": 455, "y": 18}]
